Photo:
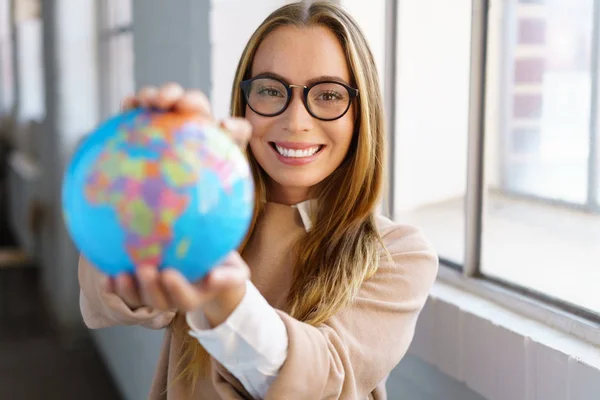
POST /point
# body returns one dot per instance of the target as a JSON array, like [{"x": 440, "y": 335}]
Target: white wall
[
  {"x": 433, "y": 101},
  {"x": 171, "y": 43},
  {"x": 370, "y": 16},
  {"x": 232, "y": 24}
]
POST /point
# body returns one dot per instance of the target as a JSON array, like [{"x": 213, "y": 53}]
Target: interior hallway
[{"x": 33, "y": 364}]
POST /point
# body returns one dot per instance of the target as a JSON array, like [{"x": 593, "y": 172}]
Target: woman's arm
[
  {"x": 101, "y": 308},
  {"x": 161, "y": 290},
  {"x": 251, "y": 343},
  {"x": 350, "y": 355}
]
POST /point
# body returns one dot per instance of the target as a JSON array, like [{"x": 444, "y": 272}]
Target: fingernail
[
  {"x": 218, "y": 275},
  {"x": 204, "y": 102},
  {"x": 223, "y": 275},
  {"x": 226, "y": 124},
  {"x": 145, "y": 272},
  {"x": 172, "y": 92}
]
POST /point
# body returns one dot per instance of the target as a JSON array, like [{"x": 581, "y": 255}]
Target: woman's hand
[
  {"x": 173, "y": 97},
  {"x": 219, "y": 293}
]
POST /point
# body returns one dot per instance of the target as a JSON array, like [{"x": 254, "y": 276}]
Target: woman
[{"x": 335, "y": 290}]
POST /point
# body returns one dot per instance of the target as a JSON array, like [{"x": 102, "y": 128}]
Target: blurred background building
[{"x": 492, "y": 109}]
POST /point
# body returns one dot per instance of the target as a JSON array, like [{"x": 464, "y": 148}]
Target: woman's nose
[{"x": 298, "y": 117}]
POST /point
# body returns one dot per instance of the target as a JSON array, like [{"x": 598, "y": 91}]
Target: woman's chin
[{"x": 297, "y": 186}]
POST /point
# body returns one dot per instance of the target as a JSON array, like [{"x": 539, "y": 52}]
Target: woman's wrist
[{"x": 220, "y": 308}]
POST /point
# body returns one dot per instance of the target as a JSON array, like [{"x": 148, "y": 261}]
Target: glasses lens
[
  {"x": 328, "y": 100},
  {"x": 266, "y": 96}
]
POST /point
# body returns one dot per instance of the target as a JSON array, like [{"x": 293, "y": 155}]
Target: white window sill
[{"x": 480, "y": 335}]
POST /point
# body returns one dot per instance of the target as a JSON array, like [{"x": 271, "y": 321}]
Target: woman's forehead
[{"x": 300, "y": 54}]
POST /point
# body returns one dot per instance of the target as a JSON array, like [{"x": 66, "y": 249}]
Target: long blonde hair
[{"x": 342, "y": 248}]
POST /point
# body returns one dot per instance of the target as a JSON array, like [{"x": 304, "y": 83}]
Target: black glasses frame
[{"x": 247, "y": 84}]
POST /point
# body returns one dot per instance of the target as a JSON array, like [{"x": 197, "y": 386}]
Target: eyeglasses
[{"x": 326, "y": 100}]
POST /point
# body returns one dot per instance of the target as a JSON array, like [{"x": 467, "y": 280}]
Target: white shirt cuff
[{"x": 252, "y": 343}]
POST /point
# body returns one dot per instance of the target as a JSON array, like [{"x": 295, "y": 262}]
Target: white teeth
[{"x": 297, "y": 153}]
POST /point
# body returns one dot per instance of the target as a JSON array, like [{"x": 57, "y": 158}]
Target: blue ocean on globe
[{"x": 151, "y": 188}]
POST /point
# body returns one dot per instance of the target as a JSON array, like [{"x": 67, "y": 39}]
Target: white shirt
[{"x": 253, "y": 342}]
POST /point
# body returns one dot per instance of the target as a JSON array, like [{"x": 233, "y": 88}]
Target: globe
[{"x": 161, "y": 189}]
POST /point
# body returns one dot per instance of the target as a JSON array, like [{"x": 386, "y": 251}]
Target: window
[
  {"x": 496, "y": 151},
  {"x": 431, "y": 122},
  {"x": 541, "y": 221},
  {"x": 116, "y": 54},
  {"x": 21, "y": 60},
  {"x": 6, "y": 59},
  {"x": 29, "y": 50}
]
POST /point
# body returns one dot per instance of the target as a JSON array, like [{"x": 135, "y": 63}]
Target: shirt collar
[{"x": 307, "y": 209}]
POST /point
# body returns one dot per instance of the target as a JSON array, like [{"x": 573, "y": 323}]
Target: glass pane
[
  {"x": 545, "y": 136},
  {"x": 432, "y": 115},
  {"x": 6, "y": 54},
  {"x": 4, "y": 19},
  {"x": 539, "y": 146},
  {"x": 30, "y": 64}
]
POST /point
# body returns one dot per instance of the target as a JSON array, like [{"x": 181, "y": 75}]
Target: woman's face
[{"x": 285, "y": 145}]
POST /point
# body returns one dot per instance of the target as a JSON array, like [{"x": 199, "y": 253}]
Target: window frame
[
  {"x": 106, "y": 34},
  {"x": 476, "y": 163},
  {"x": 570, "y": 318}
]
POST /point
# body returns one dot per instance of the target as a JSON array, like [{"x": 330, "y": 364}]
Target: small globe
[{"x": 160, "y": 189}]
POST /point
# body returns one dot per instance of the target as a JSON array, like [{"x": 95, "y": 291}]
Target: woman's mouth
[{"x": 296, "y": 153}]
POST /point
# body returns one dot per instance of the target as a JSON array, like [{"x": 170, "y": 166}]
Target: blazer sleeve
[
  {"x": 101, "y": 309},
  {"x": 354, "y": 351}
]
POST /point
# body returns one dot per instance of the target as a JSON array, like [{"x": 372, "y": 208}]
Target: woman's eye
[
  {"x": 329, "y": 96},
  {"x": 269, "y": 92}
]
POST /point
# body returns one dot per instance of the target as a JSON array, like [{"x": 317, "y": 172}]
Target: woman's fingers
[
  {"x": 151, "y": 291},
  {"x": 168, "y": 95},
  {"x": 163, "y": 98},
  {"x": 130, "y": 102},
  {"x": 147, "y": 96},
  {"x": 183, "y": 295},
  {"x": 195, "y": 102},
  {"x": 126, "y": 288},
  {"x": 225, "y": 277},
  {"x": 239, "y": 129},
  {"x": 232, "y": 272},
  {"x": 168, "y": 289},
  {"x": 187, "y": 296},
  {"x": 171, "y": 96}
]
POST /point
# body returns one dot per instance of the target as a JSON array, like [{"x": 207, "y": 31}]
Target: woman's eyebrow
[
  {"x": 326, "y": 78},
  {"x": 269, "y": 74}
]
